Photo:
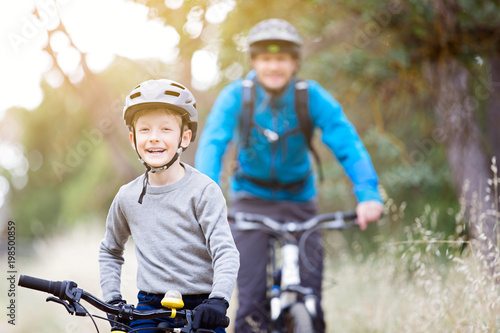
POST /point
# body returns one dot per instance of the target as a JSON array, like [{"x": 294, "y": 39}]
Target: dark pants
[
  {"x": 253, "y": 310},
  {"x": 153, "y": 302}
]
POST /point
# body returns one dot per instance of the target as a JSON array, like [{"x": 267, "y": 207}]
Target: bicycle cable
[
  {"x": 302, "y": 253},
  {"x": 112, "y": 321},
  {"x": 90, "y": 315}
]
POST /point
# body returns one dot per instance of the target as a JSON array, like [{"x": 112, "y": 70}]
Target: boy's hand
[
  {"x": 118, "y": 301},
  {"x": 210, "y": 314},
  {"x": 368, "y": 211}
]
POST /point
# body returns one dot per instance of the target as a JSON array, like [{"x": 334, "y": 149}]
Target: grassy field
[
  {"x": 423, "y": 284},
  {"x": 379, "y": 295}
]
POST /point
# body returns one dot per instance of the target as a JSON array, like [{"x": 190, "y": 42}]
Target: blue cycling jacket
[{"x": 288, "y": 159}]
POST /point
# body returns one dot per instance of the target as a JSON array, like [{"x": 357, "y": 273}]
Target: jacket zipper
[{"x": 274, "y": 145}]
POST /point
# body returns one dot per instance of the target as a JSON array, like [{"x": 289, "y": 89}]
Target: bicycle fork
[{"x": 287, "y": 287}]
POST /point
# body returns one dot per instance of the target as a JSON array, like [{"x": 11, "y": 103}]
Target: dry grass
[
  {"x": 420, "y": 285},
  {"x": 428, "y": 283},
  {"x": 376, "y": 296}
]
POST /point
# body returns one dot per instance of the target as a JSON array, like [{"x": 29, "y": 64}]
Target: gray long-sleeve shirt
[{"x": 181, "y": 234}]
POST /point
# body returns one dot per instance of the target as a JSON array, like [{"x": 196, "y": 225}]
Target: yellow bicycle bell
[{"x": 173, "y": 300}]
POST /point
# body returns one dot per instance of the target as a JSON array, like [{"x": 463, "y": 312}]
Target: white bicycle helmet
[{"x": 162, "y": 93}]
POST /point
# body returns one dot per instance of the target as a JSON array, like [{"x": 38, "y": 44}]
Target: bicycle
[
  {"x": 292, "y": 305},
  {"x": 69, "y": 295}
]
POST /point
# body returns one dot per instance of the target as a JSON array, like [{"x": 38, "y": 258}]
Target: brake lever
[
  {"x": 188, "y": 328},
  {"x": 72, "y": 307}
]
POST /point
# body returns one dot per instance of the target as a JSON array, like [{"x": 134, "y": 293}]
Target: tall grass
[{"x": 430, "y": 282}]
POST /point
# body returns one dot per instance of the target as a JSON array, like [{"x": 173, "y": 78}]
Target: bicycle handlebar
[
  {"x": 250, "y": 221},
  {"x": 68, "y": 291}
]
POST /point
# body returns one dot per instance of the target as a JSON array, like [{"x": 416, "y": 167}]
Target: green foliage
[
  {"x": 370, "y": 55},
  {"x": 74, "y": 176},
  {"x": 460, "y": 29},
  {"x": 57, "y": 193}
]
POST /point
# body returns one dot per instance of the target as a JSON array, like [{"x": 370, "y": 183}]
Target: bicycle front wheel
[{"x": 298, "y": 319}]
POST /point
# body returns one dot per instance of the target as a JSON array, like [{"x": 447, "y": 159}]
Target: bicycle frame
[
  {"x": 69, "y": 295},
  {"x": 287, "y": 289}
]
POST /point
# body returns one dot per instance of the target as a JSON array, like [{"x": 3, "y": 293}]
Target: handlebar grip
[
  {"x": 350, "y": 215},
  {"x": 56, "y": 288}
]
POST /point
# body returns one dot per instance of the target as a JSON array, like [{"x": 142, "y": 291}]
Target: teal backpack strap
[{"x": 304, "y": 117}]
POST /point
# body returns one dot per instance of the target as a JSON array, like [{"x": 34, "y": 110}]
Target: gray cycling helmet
[
  {"x": 274, "y": 35},
  {"x": 162, "y": 93}
]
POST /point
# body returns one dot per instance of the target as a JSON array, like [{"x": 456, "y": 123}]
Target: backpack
[{"x": 301, "y": 111}]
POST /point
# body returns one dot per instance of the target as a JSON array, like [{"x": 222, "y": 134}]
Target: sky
[{"x": 102, "y": 30}]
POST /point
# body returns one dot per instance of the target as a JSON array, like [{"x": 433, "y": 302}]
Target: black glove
[
  {"x": 116, "y": 302},
  {"x": 210, "y": 314}
]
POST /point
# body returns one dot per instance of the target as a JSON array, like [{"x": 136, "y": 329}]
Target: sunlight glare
[
  {"x": 59, "y": 41},
  {"x": 205, "y": 70},
  {"x": 4, "y": 186},
  {"x": 69, "y": 60},
  {"x": 4, "y": 189},
  {"x": 174, "y": 4},
  {"x": 99, "y": 61},
  {"x": 54, "y": 78},
  {"x": 217, "y": 12}
]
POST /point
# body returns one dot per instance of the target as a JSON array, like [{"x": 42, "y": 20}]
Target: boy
[{"x": 179, "y": 224}]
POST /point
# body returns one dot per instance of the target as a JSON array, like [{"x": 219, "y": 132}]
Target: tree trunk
[
  {"x": 493, "y": 108},
  {"x": 457, "y": 125}
]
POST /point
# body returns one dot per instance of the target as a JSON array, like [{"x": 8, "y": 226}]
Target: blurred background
[{"x": 419, "y": 79}]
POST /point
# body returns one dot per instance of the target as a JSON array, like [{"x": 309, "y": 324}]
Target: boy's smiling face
[{"x": 158, "y": 134}]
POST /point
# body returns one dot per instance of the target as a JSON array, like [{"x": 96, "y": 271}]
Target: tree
[
  {"x": 420, "y": 57},
  {"x": 453, "y": 43},
  {"x": 76, "y": 145}
]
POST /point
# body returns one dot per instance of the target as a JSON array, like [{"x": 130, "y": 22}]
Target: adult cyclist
[{"x": 273, "y": 175}]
